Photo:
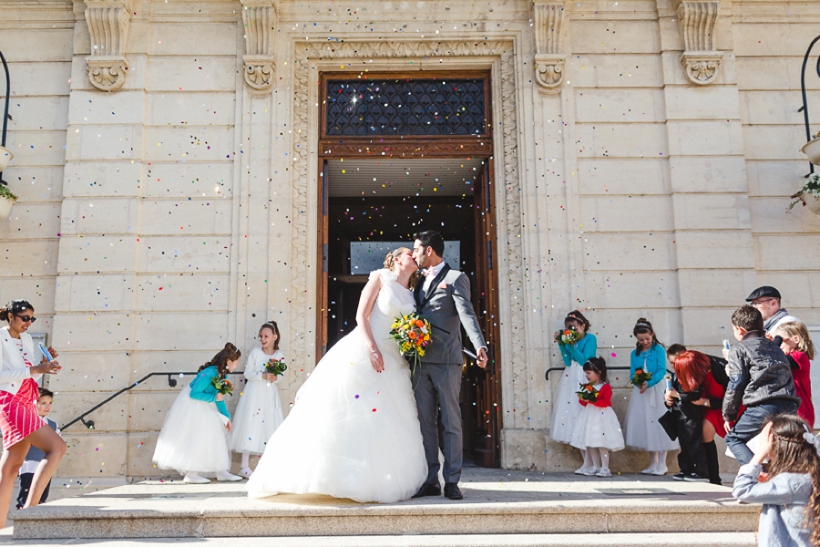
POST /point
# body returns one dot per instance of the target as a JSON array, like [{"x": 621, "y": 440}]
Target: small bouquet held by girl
[
  {"x": 570, "y": 336},
  {"x": 640, "y": 377},
  {"x": 222, "y": 385},
  {"x": 588, "y": 393},
  {"x": 412, "y": 333}
]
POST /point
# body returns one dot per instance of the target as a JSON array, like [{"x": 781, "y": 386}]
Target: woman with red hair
[{"x": 699, "y": 399}]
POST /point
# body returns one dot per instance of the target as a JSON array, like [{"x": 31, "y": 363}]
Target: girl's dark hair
[
  {"x": 46, "y": 393},
  {"x": 644, "y": 327},
  {"x": 14, "y": 307},
  {"x": 575, "y": 315},
  {"x": 597, "y": 364},
  {"x": 275, "y": 328},
  {"x": 792, "y": 453},
  {"x": 220, "y": 360}
]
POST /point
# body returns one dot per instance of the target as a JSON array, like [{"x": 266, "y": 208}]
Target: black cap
[{"x": 762, "y": 292}]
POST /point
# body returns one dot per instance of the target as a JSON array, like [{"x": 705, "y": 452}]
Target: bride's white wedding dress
[{"x": 352, "y": 432}]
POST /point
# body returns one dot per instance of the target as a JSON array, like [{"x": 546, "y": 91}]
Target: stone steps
[{"x": 496, "y": 503}]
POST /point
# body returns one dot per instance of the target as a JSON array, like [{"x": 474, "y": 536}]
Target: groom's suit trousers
[{"x": 439, "y": 385}]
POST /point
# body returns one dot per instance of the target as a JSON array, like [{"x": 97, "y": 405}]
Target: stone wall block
[
  {"x": 621, "y": 140},
  {"x": 29, "y": 258},
  {"x": 90, "y": 371},
  {"x": 205, "y": 216},
  {"x": 36, "y": 184},
  {"x": 94, "y": 331},
  {"x": 31, "y": 221},
  {"x": 90, "y": 293},
  {"x": 183, "y": 143},
  {"x": 783, "y": 72},
  {"x": 99, "y": 216},
  {"x": 775, "y": 107},
  {"x": 183, "y": 331},
  {"x": 146, "y": 360},
  {"x": 92, "y": 108},
  {"x": 711, "y": 211},
  {"x": 591, "y": 36},
  {"x": 701, "y": 138},
  {"x": 110, "y": 417},
  {"x": 183, "y": 254},
  {"x": 521, "y": 448},
  {"x": 27, "y": 45},
  {"x": 709, "y": 326},
  {"x": 107, "y": 254},
  {"x": 798, "y": 251},
  {"x": 93, "y": 453},
  {"x": 171, "y": 39},
  {"x": 775, "y": 178},
  {"x": 778, "y": 142},
  {"x": 719, "y": 174},
  {"x": 41, "y": 148},
  {"x": 769, "y": 216},
  {"x": 715, "y": 249},
  {"x": 201, "y": 108},
  {"x": 171, "y": 293},
  {"x": 103, "y": 179},
  {"x": 617, "y": 289},
  {"x": 623, "y": 176},
  {"x": 147, "y": 410},
  {"x": 619, "y": 105},
  {"x": 37, "y": 112},
  {"x": 202, "y": 180},
  {"x": 191, "y": 73},
  {"x": 626, "y": 214},
  {"x": 106, "y": 142},
  {"x": 799, "y": 289},
  {"x": 633, "y": 251},
  {"x": 40, "y": 293},
  {"x": 714, "y": 102},
  {"x": 601, "y": 71},
  {"x": 715, "y": 288}
]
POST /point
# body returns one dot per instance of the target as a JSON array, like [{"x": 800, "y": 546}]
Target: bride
[{"x": 353, "y": 431}]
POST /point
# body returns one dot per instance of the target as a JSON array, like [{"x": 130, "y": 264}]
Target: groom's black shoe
[
  {"x": 451, "y": 491},
  {"x": 428, "y": 490}
]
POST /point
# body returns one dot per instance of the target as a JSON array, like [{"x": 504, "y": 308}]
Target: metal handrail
[
  {"x": 553, "y": 369},
  {"x": 172, "y": 382}
]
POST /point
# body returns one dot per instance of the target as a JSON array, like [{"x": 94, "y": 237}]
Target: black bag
[{"x": 669, "y": 423}]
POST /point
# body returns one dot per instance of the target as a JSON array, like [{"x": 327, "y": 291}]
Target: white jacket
[{"x": 13, "y": 369}]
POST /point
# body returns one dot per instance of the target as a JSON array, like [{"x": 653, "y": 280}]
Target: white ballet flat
[
  {"x": 660, "y": 471},
  {"x": 193, "y": 478},
  {"x": 224, "y": 476},
  {"x": 245, "y": 472},
  {"x": 648, "y": 471}
]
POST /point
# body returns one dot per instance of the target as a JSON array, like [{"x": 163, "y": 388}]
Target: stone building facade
[{"x": 166, "y": 159}]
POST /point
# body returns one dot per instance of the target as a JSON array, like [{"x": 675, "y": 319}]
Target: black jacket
[{"x": 758, "y": 372}]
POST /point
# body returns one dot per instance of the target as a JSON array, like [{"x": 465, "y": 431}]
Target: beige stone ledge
[
  {"x": 709, "y": 102},
  {"x": 91, "y": 108},
  {"x": 707, "y": 174},
  {"x": 201, "y": 292},
  {"x": 619, "y": 105},
  {"x": 777, "y": 107},
  {"x": 613, "y": 289},
  {"x": 38, "y": 291},
  {"x": 626, "y": 214},
  {"x": 185, "y": 254},
  {"x": 621, "y": 176},
  {"x": 783, "y": 73},
  {"x": 78, "y": 293},
  {"x": 710, "y": 288},
  {"x": 711, "y": 211},
  {"x": 95, "y": 331},
  {"x": 94, "y": 454},
  {"x": 614, "y": 37},
  {"x": 107, "y": 254},
  {"x": 26, "y": 44},
  {"x": 41, "y": 148},
  {"x": 186, "y": 39},
  {"x": 705, "y": 138},
  {"x": 35, "y": 184},
  {"x": 181, "y": 143},
  {"x": 717, "y": 249},
  {"x": 774, "y": 142},
  {"x": 31, "y": 221},
  {"x": 798, "y": 251},
  {"x": 34, "y": 113},
  {"x": 597, "y": 71},
  {"x": 201, "y": 108},
  {"x": 104, "y": 142},
  {"x": 39, "y": 79},
  {"x": 776, "y": 178},
  {"x": 192, "y": 73},
  {"x": 87, "y": 371},
  {"x": 767, "y": 40},
  {"x": 29, "y": 258},
  {"x": 102, "y": 178},
  {"x": 632, "y": 251},
  {"x": 769, "y": 216},
  {"x": 621, "y": 140}
]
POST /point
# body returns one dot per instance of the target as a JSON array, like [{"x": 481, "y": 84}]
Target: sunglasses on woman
[{"x": 26, "y": 318}]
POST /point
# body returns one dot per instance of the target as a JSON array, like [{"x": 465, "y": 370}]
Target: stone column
[{"x": 712, "y": 228}]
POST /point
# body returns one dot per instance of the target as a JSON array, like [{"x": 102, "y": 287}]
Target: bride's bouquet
[
  {"x": 222, "y": 385},
  {"x": 276, "y": 366},
  {"x": 412, "y": 333}
]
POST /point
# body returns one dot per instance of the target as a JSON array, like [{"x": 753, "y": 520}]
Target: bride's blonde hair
[{"x": 392, "y": 256}]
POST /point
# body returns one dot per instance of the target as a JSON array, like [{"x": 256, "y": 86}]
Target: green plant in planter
[
  {"x": 810, "y": 188},
  {"x": 6, "y": 193}
]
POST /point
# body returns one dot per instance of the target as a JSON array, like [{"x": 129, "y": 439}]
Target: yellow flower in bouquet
[
  {"x": 412, "y": 334},
  {"x": 587, "y": 393}
]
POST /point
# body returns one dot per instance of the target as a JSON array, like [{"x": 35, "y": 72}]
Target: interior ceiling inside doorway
[{"x": 403, "y": 177}]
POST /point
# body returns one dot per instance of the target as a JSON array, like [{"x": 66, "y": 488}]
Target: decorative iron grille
[{"x": 405, "y": 107}]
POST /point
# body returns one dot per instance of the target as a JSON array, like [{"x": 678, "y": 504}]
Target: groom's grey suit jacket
[{"x": 447, "y": 306}]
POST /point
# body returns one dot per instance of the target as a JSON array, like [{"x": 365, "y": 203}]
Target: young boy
[
  {"x": 35, "y": 454},
  {"x": 759, "y": 377}
]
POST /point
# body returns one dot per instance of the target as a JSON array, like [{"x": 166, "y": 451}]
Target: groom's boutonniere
[{"x": 442, "y": 285}]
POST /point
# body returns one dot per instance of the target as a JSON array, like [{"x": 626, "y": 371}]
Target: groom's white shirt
[{"x": 432, "y": 272}]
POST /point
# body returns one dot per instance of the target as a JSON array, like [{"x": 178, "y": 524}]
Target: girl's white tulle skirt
[
  {"x": 352, "y": 432},
  {"x": 257, "y": 416},
  {"x": 598, "y": 427},
  {"x": 643, "y": 431},
  {"x": 566, "y": 408},
  {"x": 193, "y": 437}
]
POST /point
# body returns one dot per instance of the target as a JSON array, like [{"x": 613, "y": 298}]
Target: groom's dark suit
[{"x": 446, "y": 305}]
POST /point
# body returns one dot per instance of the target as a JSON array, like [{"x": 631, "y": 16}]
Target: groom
[{"x": 443, "y": 298}]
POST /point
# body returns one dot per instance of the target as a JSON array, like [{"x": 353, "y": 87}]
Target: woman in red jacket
[{"x": 597, "y": 430}]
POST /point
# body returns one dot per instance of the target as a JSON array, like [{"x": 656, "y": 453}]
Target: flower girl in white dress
[
  {"x": 353, "y": 431},
  {"x": 259, "y": 412}
]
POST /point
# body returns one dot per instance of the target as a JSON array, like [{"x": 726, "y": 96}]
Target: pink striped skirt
[{"x": 18, "y": 413}]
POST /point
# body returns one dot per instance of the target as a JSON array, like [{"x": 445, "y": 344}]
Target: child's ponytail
[
  {"x": 220, "y": 360},
  {"x": 795, "y": 449}
]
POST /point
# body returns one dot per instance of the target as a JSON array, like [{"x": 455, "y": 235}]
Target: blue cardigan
[
  {"x": 655, "y": 358},
  {"x": 202, "y": 389},
  {"x": 581, "y": 351}
]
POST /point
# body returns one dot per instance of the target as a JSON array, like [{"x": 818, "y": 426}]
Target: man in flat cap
[{"x": 767, "y": 300}]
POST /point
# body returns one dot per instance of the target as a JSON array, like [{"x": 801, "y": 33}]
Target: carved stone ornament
[
  {"x": 259, "y": 18},
  {"x": 108, "y": 23},
  {"x": 698, "y": 23},
  {"x": 548, "y": 21}
]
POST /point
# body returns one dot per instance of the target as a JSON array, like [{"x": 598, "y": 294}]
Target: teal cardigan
[
  {"x": 581, "y": 351},
  {"x": 655, "y": 363},
  {"x": 202, "y": 389}
]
